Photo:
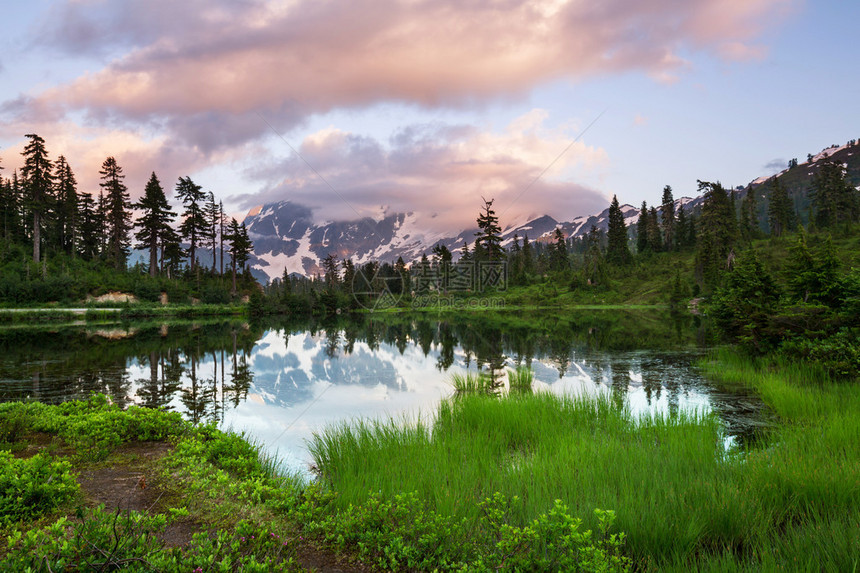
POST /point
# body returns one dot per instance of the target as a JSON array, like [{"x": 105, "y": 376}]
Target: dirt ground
[{"x": 130, "y": 486}]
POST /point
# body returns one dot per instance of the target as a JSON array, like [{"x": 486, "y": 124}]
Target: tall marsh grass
[
  {"x": 683, "y": 502},
  {"x": 521, "y": 379},
  {"x": 470, "y": 382}
]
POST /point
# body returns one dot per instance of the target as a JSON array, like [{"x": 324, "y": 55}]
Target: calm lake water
[{"x": 281, "y": 380}]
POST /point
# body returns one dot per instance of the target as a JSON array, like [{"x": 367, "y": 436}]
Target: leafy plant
[{"x": 34, "y": 486}]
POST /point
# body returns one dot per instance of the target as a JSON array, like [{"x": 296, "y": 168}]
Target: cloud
[
  {"x": 775, "y": 165},
  {"x": 207, "y": 70},
  {"x": 437, "y": 171}
]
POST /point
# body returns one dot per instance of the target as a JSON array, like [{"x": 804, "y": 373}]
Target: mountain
[
  {"x": 285, "y": 235},
  {"x": 798, "y": 179}
]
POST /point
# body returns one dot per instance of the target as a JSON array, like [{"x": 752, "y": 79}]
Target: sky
[{"x": 362, "y": 108}]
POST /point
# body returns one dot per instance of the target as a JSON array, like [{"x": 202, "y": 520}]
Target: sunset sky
[{"x": 426, "y": 106}]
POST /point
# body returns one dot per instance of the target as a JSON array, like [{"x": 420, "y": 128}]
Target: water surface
[{"x": 284, "y": 379}]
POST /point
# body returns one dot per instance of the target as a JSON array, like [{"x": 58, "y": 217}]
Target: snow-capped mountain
[{"x": 285, "y": 237}]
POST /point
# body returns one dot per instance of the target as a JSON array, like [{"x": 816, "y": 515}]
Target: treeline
[
  {"x": 713, "y": 234},
  {"x": 82, "y": 240}
]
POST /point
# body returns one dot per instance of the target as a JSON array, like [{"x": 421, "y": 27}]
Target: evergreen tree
[
  {"x": 682, "y": 231},
  {"x": 558, "y": 255},
  {"x": 400, "y": 269},
  {"x": 172, "y": 253},
  {"x": 814, "y": 278},
  {"x": 222, "y": 221},
  {"x": 37, "y": 175},
  {"x": 118, "y": 216},
  {"x": 617, "y": 251},
  {"x": 66, "y": 224},
  {"x": 642, "y": 229},
  {"x": 515, "y": 261},
  {"x": 655, "y": 243},
  {"x": 287, "y": 282},
  {"x": 10, "y": 206},
  {"x": 466, "y": 255},
  {"x": 667, "y": 212},
  {"x": 528, "y": 258},
  {"x": 240, "y": 247},
  {"x": 488, "y": 238},
  {"x": 780, "y": 212},
  {"x": 154, "y": 223},
  {"x": 594, "y": 267},
  {"x": 834, "y": 199},
  {"x": 743, "y": 309},
  {"x": 717, "y": 232},
  {"x": 194, "y": 226},
  {"x": 101, "y": 217},
  {"x": 749, "y": 229},
  {"x": 210, "y": 211},
  {"x": 91, "y": 228},
  {"x": 421, "y": 273},
  {"x": 331, "y": 274}
]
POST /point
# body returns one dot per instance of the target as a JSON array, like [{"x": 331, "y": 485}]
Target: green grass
[
  {"x": 681, "y": 499},
  {"x": 588, "y": 452},
  {"x": 473, "y": 382},
  {"x": 521, "y": 379}
]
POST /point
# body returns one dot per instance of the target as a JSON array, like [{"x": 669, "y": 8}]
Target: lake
[{"x": 279, "y": 380}]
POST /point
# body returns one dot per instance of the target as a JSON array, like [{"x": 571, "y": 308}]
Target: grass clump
[
  {"x": 521, "y": 379},
  {"x": 682, "y": 500},
  {"x": 474, "y": 382},
  {"x": 536, "y": 449}
]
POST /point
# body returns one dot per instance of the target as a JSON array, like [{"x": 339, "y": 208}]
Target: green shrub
[
  {"x": 34, "y": 486},
  {"x": 14, "y": 423},
  {"x": 404, "y": 534},
  {"x": 233, "y": 453},
  {"x": 106, "y": 541},
  {"x": 839, "y": 353}
]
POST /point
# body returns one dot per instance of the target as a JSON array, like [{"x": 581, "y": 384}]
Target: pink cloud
[
  {"x": 213, "y": 62},
  {"x": 439, "y": 172}
]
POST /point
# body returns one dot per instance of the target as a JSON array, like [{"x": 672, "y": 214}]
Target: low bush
[{"x": 34, "y": 486}]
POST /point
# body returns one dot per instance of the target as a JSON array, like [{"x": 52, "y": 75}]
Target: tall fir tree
[
  {"x": 834, "y": 200},
  {"x": 91, "y": 228},
  {"x": 594, "y": 267},
  {"x": 117, "y": 211},
  {"x": 749, "y": 228},
  {"x": 488, "y": 239},
  {"x": 194, "y": 226},
  {"x": 210, "y": 211},
  {"x": 528, "y": 255},
  {"x": 66, "y": 223},
  {"x": 717, "y": 233},
  {"x": 240, "y": 247},
  {"x": 558, "y": 255},
  {"x": 780, "y": 211},
  {"x": 154, "y": 222},
  {"x": 655, "y": 242},
  {"x": 667, "y": 213},
  {"x": 617, "y": 251},
  {"x": 37, "y": 178},
  {"x": 642, "y": 229},
  {"x": 222, "y": 222},
  {"x": 10, "y": 206}
]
